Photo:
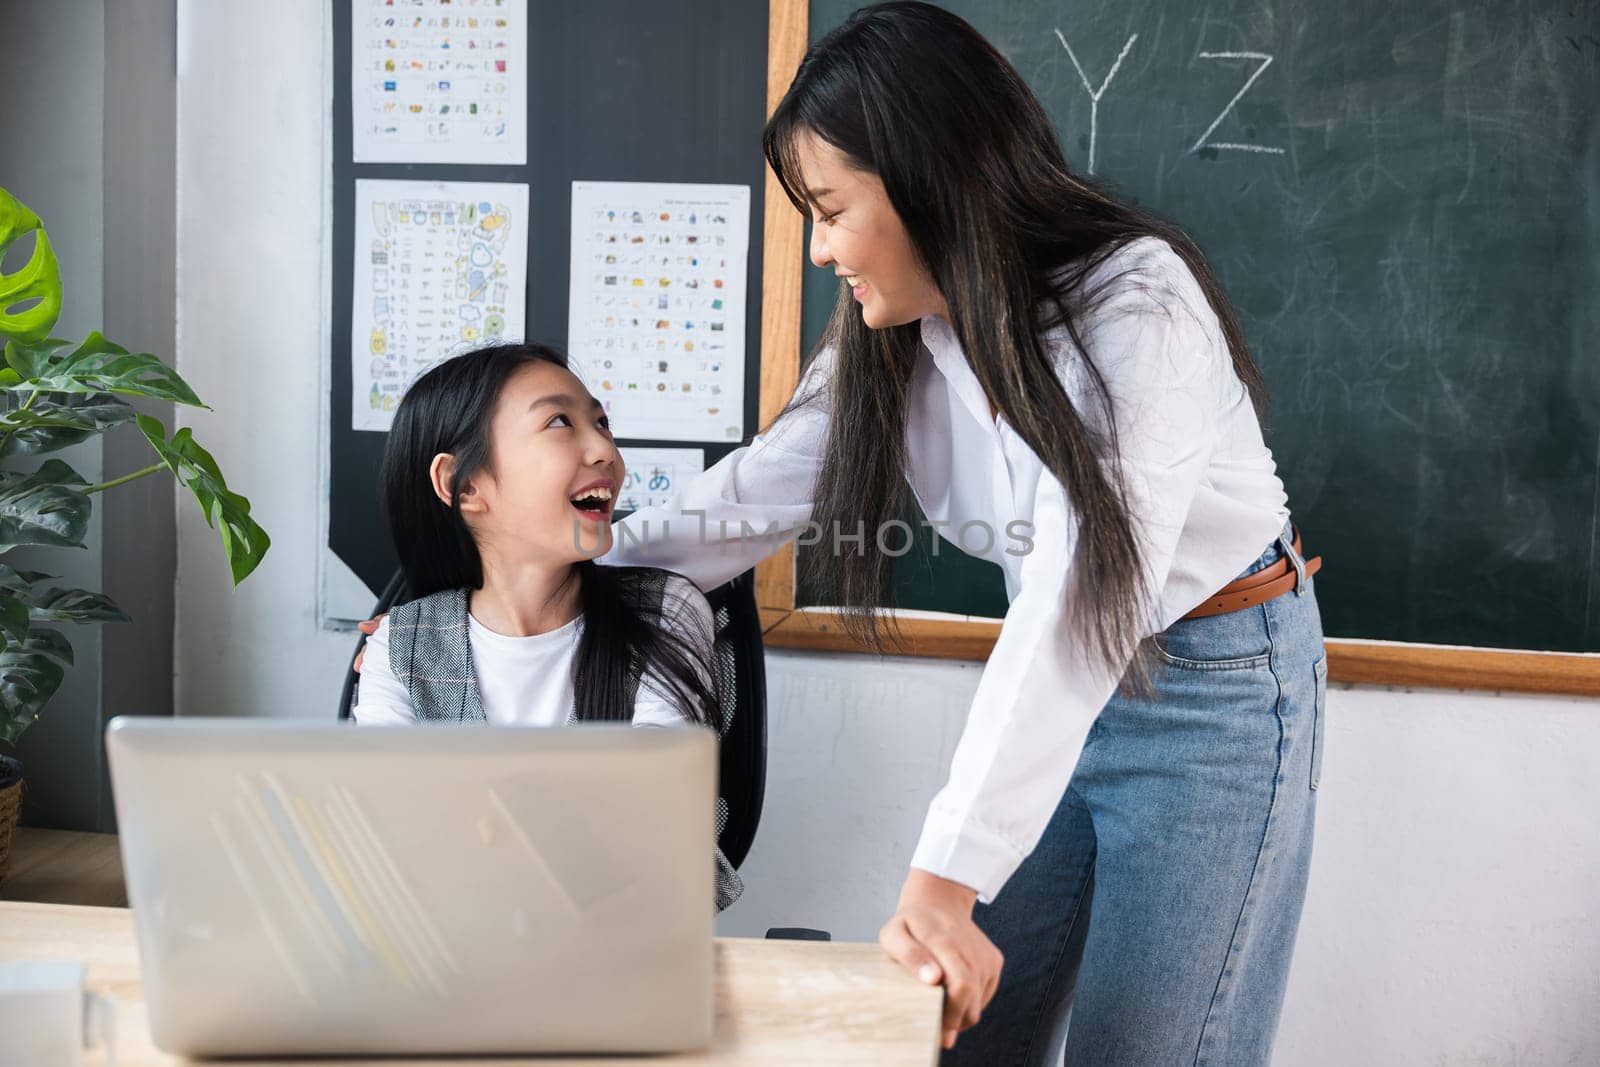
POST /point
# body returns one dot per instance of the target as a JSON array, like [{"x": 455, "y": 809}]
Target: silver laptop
[{"x": 323, "y": 888}]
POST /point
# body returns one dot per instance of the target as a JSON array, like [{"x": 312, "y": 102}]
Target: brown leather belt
[{"x": 1266, "y": 584}]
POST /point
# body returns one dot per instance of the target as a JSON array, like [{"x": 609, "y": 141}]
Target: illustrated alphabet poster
[
  {"x": 656, "y": 312},
  {"x": 439, "y": 81},
  {"x": 440, "y": 268}
]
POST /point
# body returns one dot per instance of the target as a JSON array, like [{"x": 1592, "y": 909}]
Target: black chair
[{"x": 740, "y": 666}]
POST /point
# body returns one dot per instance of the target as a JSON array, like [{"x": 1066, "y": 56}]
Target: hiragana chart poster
[
  {"x": 656, "y": 474},
  {"x": 656, "y": 312},
  {"x": 440, "y": 268},
  {"x": 439, "y": 81}
]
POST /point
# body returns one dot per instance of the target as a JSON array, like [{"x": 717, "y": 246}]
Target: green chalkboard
[{"x": 1403, "y": 201}]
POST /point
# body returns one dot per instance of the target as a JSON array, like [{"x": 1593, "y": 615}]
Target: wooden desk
[
  {"x": 65, "y": 867},
  {"x": 777, "y": 1002}
]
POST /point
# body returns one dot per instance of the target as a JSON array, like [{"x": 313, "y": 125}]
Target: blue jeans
[{"x": 1159, "y": 910}]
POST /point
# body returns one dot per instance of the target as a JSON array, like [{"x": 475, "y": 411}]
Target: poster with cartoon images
[
  {"x": 656, "y": 312},
  {"x": 439, "y": 81},
  {"x": 440, "y": 267},
  {"x": 654, "y": 475}
]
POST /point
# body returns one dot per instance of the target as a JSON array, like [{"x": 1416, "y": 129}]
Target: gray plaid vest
[{"x": 430, "y": 651}]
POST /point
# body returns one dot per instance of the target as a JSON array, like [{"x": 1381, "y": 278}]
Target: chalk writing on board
[
  {"x": 1266, "y": 61},
  {"x": 1095, "y": 94},
  {"x": 1202, "y": 142}
]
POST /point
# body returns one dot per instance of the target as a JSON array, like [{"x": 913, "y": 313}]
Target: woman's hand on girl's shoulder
[{"x": 369, "y": 628}]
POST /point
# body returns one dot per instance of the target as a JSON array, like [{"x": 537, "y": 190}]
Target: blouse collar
[{"x": 939, "y": 338}]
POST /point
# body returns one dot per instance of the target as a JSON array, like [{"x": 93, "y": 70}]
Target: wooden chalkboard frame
[{"x": 787, "y": 625}]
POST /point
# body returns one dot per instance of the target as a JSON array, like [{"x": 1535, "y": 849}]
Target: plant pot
[{"x": 10, "y": 807}]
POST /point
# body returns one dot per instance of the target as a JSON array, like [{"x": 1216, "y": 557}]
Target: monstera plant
[{"x": 56, "y": 393}]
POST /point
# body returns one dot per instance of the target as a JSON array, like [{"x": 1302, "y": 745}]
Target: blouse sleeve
[
  {"x": 1041, "y": 689},
  {"x": 743, "y": 509}
]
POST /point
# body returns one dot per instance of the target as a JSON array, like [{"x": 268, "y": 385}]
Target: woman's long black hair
[
  {"x": 450, "y": 409},
  {"x": 972, "y": 166}
]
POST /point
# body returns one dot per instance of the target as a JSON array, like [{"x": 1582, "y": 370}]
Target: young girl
[{"x": 498, "y": 482}]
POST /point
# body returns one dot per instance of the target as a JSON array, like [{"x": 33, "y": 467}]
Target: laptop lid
[{"x": 323, "y": 888}]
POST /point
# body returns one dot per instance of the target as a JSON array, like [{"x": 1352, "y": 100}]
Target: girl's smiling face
[
  {"x": 547, "y": 493},
  {"x": 858, "y": 233}
]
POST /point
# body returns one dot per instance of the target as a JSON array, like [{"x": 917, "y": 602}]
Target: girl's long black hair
[
  {"x": 450, "y": 409},
  {"x": 1005, "y": 229}
]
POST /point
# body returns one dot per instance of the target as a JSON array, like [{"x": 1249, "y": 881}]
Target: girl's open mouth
[{"x": 594, "y": 503}]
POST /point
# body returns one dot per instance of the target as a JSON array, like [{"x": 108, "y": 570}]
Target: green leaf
[
  {"x": 55, "y": 421},
  {"x": 51, "y": 605},
  {"x": 243, "y": 541},
  {"x": 97, "y": 366},
  {"x": 74, "y": 605},
  {"x": 19, "y": 583},
  {"x": 29, "y": 677},
  {"x": 43, "y": 508},
  {"x": 52, "y": 643},
  {"x": 29, "y": 359},
  {"x": 13, "y": 621},
  {"x": 37, "y": 282}
]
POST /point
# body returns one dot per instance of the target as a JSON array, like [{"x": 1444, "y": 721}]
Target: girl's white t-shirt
[{"x": 527, "y": 681}]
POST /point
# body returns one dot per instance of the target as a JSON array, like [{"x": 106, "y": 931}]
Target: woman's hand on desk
[
  {"x": 369, "y": 628},
  {"x": 932, "y": 935}
]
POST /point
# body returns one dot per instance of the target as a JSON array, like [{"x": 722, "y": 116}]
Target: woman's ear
[{"x": 440, "y": 474}]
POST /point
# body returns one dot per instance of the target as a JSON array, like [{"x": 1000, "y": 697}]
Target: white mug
[{"x": 48, "y": 1018}]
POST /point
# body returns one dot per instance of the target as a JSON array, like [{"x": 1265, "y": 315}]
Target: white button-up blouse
[{"x": 1203, "y": 487}]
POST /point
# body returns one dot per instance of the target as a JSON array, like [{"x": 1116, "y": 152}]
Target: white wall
[
  {"x": 1454, "y": 909},
  {"x": 1451, "y": 917},
  {"x": 252, "y": 340}
]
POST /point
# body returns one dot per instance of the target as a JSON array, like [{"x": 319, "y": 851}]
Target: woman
[{"x": 1013, "y": 344}]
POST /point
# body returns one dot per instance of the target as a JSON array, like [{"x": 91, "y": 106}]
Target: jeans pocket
[
  {"x": 1234, "y": 663},
  {"x": 1234, "y": 641},
  {"x": 1319, "y": 715}
]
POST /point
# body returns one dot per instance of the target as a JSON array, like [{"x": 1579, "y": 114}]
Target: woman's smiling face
[
  {"x": 550, "y": 449},
  {"x": 858, "y": 233}
]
